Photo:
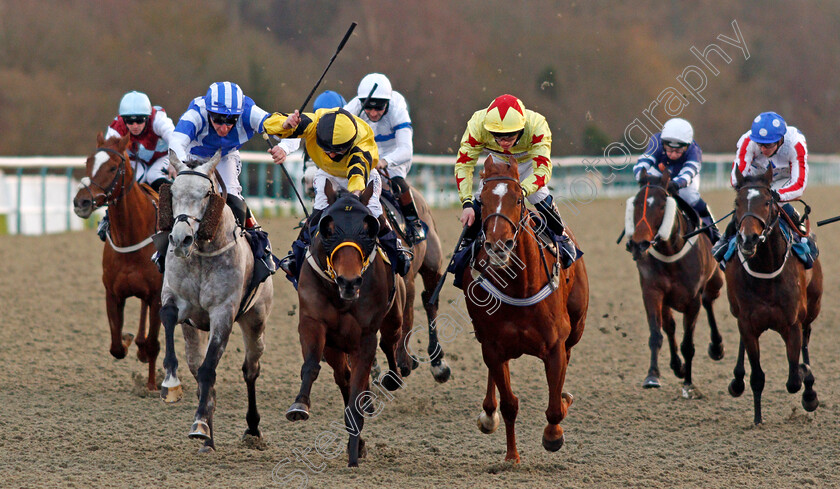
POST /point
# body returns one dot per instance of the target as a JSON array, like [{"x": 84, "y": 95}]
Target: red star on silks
[
  {"x": 540, "y": 181},
  {"x": 462, "y": 157},
  {"x": 473, "y": 141},
  {"x": 536, "y": 139},
  {"x": 541, "y": 160},
  {"x": 504, "y": 103},
  {"x": 458, "y": 181}
]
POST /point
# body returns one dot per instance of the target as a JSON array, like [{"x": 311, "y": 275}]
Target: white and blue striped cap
[{"x": 224, "y": 98}]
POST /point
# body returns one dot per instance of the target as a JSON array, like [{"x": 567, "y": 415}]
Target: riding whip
[
  {"x": 436, "y": 292},
  {"x": 369, "y": 96},
  {"x": 703, "y": 228},
  {"x": 828, "y": 221}
]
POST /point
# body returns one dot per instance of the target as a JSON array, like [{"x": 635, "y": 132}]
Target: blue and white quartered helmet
[
  {"x": 224, "y": 98},
  {"x": 767, "y": 128}
]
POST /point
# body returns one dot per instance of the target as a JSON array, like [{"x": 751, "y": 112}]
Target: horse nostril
[
  {"x": 509, "y": 244},
  {"x": 188, "y": 241},
  {"x": 356, "y": 283}
]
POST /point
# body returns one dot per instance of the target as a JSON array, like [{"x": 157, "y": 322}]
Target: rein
[
  {"x": 665, "y": 227},
  {"x": 767, "y": 229},
  {"x": 107, "y": 193},
  {"x": 186, "y": 218}
]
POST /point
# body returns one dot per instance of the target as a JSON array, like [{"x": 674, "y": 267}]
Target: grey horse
[{"x": 208, "y": 270}]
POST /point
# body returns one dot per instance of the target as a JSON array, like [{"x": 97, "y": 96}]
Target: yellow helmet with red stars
[{"x": 505, "y": 115}]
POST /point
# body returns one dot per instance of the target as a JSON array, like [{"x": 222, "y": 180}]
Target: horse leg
[
  {"x": 670, "y": 328},
  {"x": 439, "y": 367},
  {"x": 254, "y": 337},
  {"x": 736, "y": 386},
  {"x": 405, "y": 362},
  {"x": 140, "y": 339},
  {"x": 687, "y": 348},
  {"x": 150, "y": 346},
  {"x": 793, "y": 345},
  {"x": 756, "y": 375},
  {"x": 488, "y": 420},
  {"x": 558, "y": 401},
  {"x": 710, "y": 293},
  {"x": 653, "y": 307},
  {"x": 809, "y": 397},
  {"x": 115, "y": 306},
  {"x": 170, "y": 390},
  {"x": 313, "y": 336},
  {"x": 341, "y": 371},
  {"x": 220, "y": 327},
  {"x": 389, "y": 338},
  {"x": 509, "y": 404},
  {"x": 355, "y": 412}
]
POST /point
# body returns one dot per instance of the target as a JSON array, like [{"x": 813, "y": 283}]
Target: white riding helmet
[
  {"x": 135, "y": 103},
  {"x": 677, "y": 131},
  {"x": 383, "y": 87}
]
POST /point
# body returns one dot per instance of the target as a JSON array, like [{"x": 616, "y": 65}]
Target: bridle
[
  {"x": 766, "y": 228},
  {"x": 655, "y": 233},
  {"x": 108, "y": 193},
  {"x": 186, "y": 217},
  {"x": 366, "y": 260},
  {"x": 516, "y": 226}
]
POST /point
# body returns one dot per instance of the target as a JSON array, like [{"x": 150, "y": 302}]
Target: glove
[
  {"x": 673, "y": 188},
  {"x": 776, "y": 196}
]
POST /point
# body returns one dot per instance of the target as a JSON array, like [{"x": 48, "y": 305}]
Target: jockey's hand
[
  {"x": 292, "y": 121},
  {"x": 172, "y": 172},
  {"x": 357, "y": 193},
  {"x": 468, "y": 216},
  {"x": 278, "y": 154},
  {"x": 383, "y": 164},
  {"x": 673, "y": 188},
  {"x": 776, "y": 196}
]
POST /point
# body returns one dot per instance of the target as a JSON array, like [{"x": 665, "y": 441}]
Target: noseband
[
  {"x": 108, "y": 192},
  {"x": 516, "y": 226},
  {"x": 766, "y": 228},
  {"x": 656, "y": 237},
  {"x": 185, "y": 217}
]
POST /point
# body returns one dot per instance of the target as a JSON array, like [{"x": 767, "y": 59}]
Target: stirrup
[
  {"x": 567, "y": 250},
  {"x": 415, "y": 231},
  {"x": 102, "y": 228},
  {"x": 288, "y": 264}
]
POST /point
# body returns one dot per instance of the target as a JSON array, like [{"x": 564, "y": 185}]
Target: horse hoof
[
  {"x": 362, "y": 448},
  {"x": 651, "y": 382},
  {"x": 489, "y": 424},
  {"x": 141, "y": 355},
  {"x": 171, "y": 395},
  {"x": 689, "y": 392},
  {"x": 736, "y": 387},
  {"x": 414, "y": 364},
  {"x": 810, "y": 401},
  {"x": 127, "y": 338},
  {"x": 389, "y": 382},
  {"x": 568, "y": 397},
  {"x": 200, "y": 430},
  {"x": 441, "y": 372},
  {"x": 716, "y": 351},
  {"x": 298, "y": 412},
  {"x": 206, "y": 449},
  {"x": 553, "y": 445}
]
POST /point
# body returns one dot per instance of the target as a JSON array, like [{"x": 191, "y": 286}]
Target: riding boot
[
  {"x": 102, "y": 228},
  {"x": 289, "y": 263},
  {"x": 720, "y": 248},
  {"x": 161, "y": 242},
  {"x": 264, "y": 264},
  {"x": 414, "y": 226},
  {"x": 400, "y": 257},
  {"x": 707, "y": 219},
  {"x": 566, "y": 247}
]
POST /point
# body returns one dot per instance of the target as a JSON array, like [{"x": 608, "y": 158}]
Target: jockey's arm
[
  {"x": 540, "y": 155},
  {"x": 403, "y": 150},
  {"x": 162, "y": 125}
]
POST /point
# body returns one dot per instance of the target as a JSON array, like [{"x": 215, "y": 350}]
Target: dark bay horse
[
  {"x": 206, "y": 285},
  {"x": 521, "y": 302},
  {"x": 347, "y": 294},
  {"x": 769, "y": 288},
  {"x": 127, "y": 269},
  {"x": 675, "y": 274},
  {"x": 428, "y": 263}
]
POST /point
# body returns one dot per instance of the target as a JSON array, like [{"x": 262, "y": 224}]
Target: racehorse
[
  {"x": 347, "y": 294},
  {"x": 674, "y": 273},
  {"x": 206, "y": 288},
  {"x": 770, "y": 289},
  {"x": 428, "y": 262},
  {"x": 127, "y": 269},
  {"x": 520, "y": 302}
]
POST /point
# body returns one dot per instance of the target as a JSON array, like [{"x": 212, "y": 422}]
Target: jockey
[
  {"x": 506, "y": 128},
  {"x": 150, "y": 129},
  {"x": 343, "y": 147},
  {"x": 676, "y": 149},
  {"x": 326, "y": 100},
  {"x": 386, "y": 111},
  {"x": 223, "y": 120},
  {"x": 771, "y": 142}
]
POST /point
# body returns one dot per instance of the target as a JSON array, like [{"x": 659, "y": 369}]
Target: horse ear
[
  {"x": 176, "y": 162},
  {"x": 367, "y": 193},
  {"x": 739, "y": 177},
  {"x": 329, "y": 192},
  {"x": 208, "y": 167},
  {"x": 643, "y": 176},
  {"x": 372, "y": 226},
  {"x": 100, "y": 140},
  {"x": 768, "y": 175},
  {"x": 514, "y": 166},
  {"x": 326, "y": 227},
  {"x": 124, "y": 142}
]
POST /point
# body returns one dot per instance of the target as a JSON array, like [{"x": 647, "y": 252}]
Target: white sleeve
[
  {"x": 178, "y": 143},
  {"x": 290, "y": 145},
  {"x": 403, "y": 150},
  {"x": 111, "y": 133},
  {"x": 163, "y": 126},
  {"x": 354, "y": 106}
]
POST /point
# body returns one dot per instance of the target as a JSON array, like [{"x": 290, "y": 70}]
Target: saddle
[{"x": 393, "y": 212}]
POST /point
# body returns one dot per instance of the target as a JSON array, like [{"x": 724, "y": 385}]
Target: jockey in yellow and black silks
[
  {"x": 342, "y": 147},
  {"x": 506, "y": 128}
]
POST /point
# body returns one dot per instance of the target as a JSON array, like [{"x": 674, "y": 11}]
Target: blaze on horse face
[
  {"x": 191, "y": 196},
  {"x": 755, "y": 210},
  {"x": 502, "y": 201},
  {"x": 348, "y": 233},
  {"x": 105, "y": 173},
  {"x": 650, "y": 214}
]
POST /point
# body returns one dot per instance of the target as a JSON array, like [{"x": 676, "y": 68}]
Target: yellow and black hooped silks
[{"x": 340, "y": 130}]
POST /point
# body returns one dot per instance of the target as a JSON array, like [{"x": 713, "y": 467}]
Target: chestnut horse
[
  {"x": 768, "y": 288},
  {"x": 675, "y": 274},
  {"x": 428, "y": 263},
  {"x": 347, "y": 294},
  {"x": 127, "y": 269},
  {"x": 520, "y": 302}
]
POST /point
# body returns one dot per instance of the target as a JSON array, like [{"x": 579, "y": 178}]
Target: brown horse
[
  {"x": 127, "y": 269},
  {"x": 347, "y": 294},
  {"x": 520, "y": 302},
  {"x": 428, "y": 263},
  {"x": 770, "y": 289},
  {"x": 675, "y": 274}
]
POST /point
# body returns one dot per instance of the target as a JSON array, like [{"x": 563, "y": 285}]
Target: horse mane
[
  {"x": 495, "y": 166},
  {"x": 755, "y": 180}
]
